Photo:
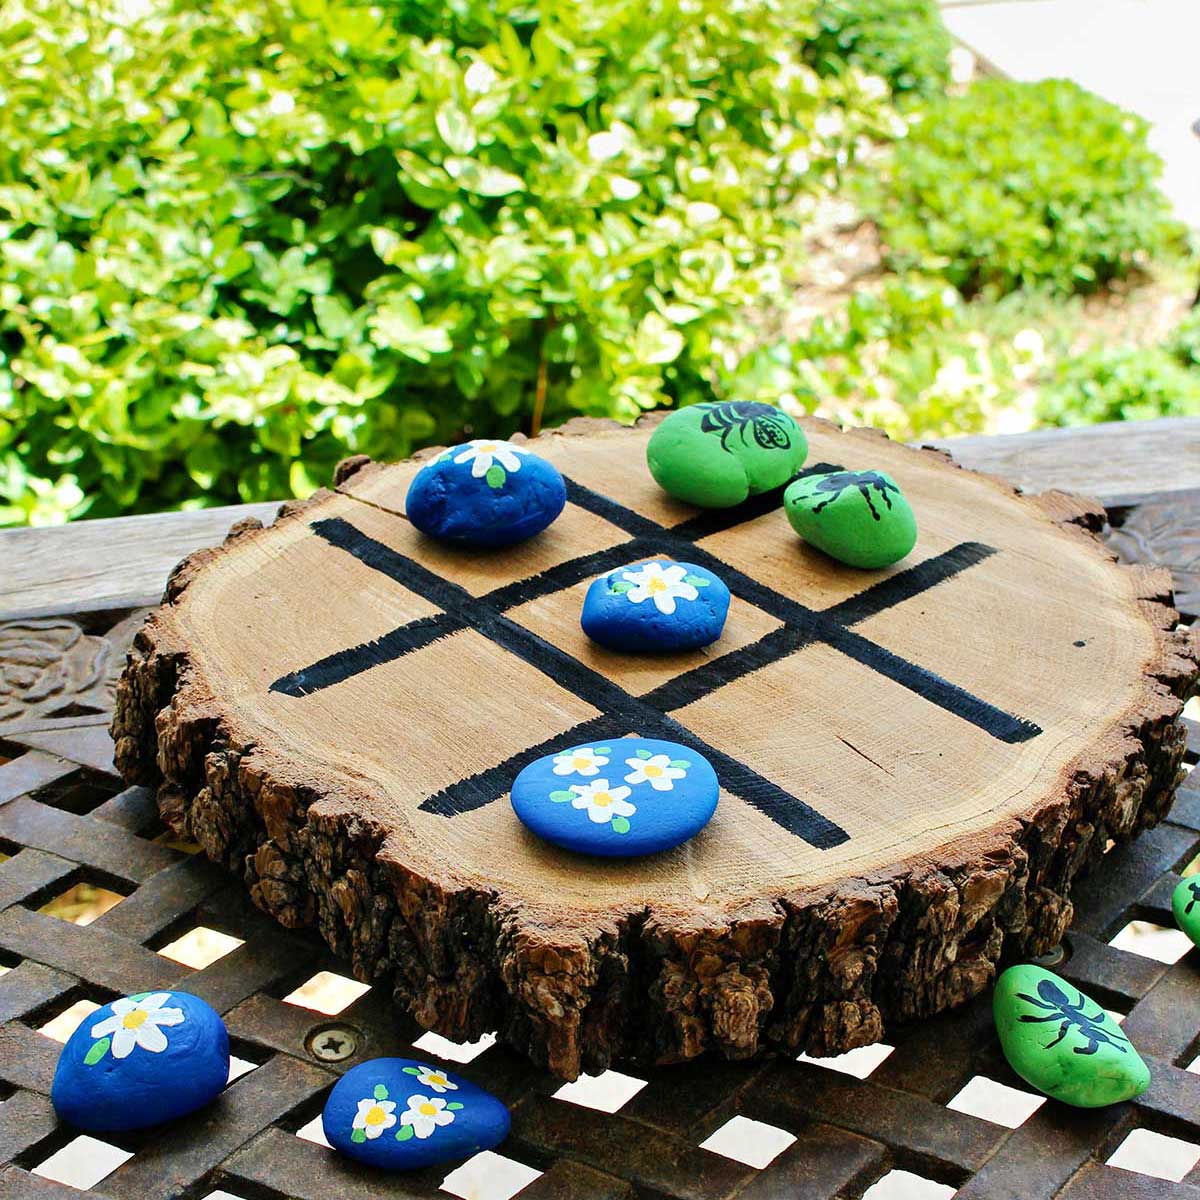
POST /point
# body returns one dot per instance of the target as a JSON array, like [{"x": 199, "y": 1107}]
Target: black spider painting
[
  {"x": 1058, "y": 1007},
  {"x": 866, "y": 481},
  {"x": 770, "y": 428}
]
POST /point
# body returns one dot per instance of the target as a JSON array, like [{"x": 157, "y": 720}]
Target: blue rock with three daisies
[
  {"x": 658, "y": 606},
  {"x": 141, "y": 1060},
  {"x": 621, "y": 798},
  {"x": 400, "y": 1114},
  {"x": 485, "y": 493}
]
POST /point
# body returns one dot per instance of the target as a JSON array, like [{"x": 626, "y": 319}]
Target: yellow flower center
[
  {"x": 427, "y": 1110},
  {"x": 652, "y": 772},
  {"x": 657, "y": 584},
  {"x": 439, "y": 1080},
  {"x": 135, "y": 1019},
  {"x": 602, "y": 799},
  {"x": 579, "y": 762},
  {"x": 376, "y": 1115},
  {"x": 486, "y": 448}
]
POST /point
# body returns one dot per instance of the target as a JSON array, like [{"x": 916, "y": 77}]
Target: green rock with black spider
[
  {"x": 1185, "y": 901},
  {"x": 1062, "y": 1042},
  {"x": 717, "y": 455},
  {"x": 860, "y": 518}
]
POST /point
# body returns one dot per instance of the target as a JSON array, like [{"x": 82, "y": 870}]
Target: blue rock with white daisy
[
  {"x": 140, "y": 1061},
  {"x": 485, "y": 493},
  {"x": 658, "y": 606},
  {"x": 621, "y": 798},
  {"x": 400, "y": 1114}
]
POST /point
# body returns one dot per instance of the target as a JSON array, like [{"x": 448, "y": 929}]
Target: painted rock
[
  {"x": 1062, "y": 1042},
  {"x": 485, "y": 493},
  {"x": 1185, "y": 900},
  {"x": 656, "y": 606},
  {"x": 860, "y": 518},
  {"x": 140, "y": 1061},
  {"x": 717, "y": 455},
  {"x": 626, "y": 797},
  {"x": 400, "y": 1114}
]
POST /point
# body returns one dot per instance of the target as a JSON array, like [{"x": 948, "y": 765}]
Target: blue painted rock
[
  {"x": 1063, "y": 1042},
  {"x": 656, "y": 606},
  {"x": 1185, "y": 903},
  {"x": 485, "y": 493},
  {"x": 627, "y": 797},
  {"x": 400, "y": 1114},
  {"x": 140, "y": 1061}
]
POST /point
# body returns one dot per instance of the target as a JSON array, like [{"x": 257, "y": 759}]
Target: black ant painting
[
  {"x": 1194, "y": 892},
  {"x": 866, "y": 482},
  {"x": 768, "y": 425},
  {"x": 1058, "y": 1007}
]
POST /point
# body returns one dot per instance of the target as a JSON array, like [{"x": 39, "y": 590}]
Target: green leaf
[
  {"x": 620, "y": 587},
  {"x": 620, "y": 825},
  {"x": 559, "y": 796},
  {"x": 411, "y": 1071},
  {"x": 603, "y": 749},
  {"x": 680, "y": 762},
  {"x": 495, "y": 476},
  {"x": 696, "y": 581},
  {"x": 97, "y": 1051},
  {"x": 140, "y": 996},
  {"x": 381, "y": 1092},
  {"x": 404, "y": 1133},
  {"x": 454, "y": 1106},
  {"x": 358, "y": 1136},
  {"x": 454, "y": 127},
  {"x": 644, "y": 753},
  {"x": 482, "y": 179}
]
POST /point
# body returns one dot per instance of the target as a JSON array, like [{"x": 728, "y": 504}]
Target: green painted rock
[
  {"x": 1186, "y": 903},
  {"x": 1064, "y": 1043},
  {"x": 860, "y": 518},
  {"x": 717, "y": 455}
]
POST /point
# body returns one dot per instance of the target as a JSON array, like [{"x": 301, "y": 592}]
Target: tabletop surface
[{"x": 876, "y": 1122}]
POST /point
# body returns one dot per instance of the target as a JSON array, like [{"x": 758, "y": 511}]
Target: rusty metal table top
[{"x": 840, "y": 1127}]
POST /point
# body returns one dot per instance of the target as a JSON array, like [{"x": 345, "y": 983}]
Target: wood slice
[{"x": 914, "y": 762}]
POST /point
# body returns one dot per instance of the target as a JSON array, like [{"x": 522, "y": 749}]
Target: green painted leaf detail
[
  {"x": 97, "y": 1052},
  {"x": 620, "y": 587},
  {"x": 358, "y": 1136},
  {"x": 404, "y": 1133},
  {"x": 695, "y": 581},
  {"x": 140, "y": 996},
  {"x": 381, "y": 1092},
  {"x": 680, "y": 762},
  {"x": 644, "y": 754},
  {"x": 411, "y": 1071},
  {"x": 559, "y": 796},
  {"x": 454, "y": 1107},
  {"x": 620, "y": 824},
  {"x": 603, "y": 749},
  {"x": 495, "y": 476}
]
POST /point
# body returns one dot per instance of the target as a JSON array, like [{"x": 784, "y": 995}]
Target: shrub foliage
[
  {"x": 1014, "y": 184},
  {"x": 243, "y": 238}
]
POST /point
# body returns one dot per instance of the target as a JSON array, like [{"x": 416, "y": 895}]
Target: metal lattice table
[{"x": 64, "y": 820}]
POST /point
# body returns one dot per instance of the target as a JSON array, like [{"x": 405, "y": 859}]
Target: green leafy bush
[
  {"x": 241, "y": 239},
  {"x": 1017, "y": 184},
  {"x": 1122, "y": 384},
  {"x": 1183, "y": 343},
  {"x": 904, "y": 41}
]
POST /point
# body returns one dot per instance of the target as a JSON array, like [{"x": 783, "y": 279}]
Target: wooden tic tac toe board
[{"x": 914, "y": 762}]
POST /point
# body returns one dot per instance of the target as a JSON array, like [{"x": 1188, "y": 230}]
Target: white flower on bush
[
  {"x": 663, "y": 585},
  {"x": 136, "y": 1021},
  {"x": 425, "y": 1114},
  {"x": 584, "y": 761},
  {"x": 482, "y": 455},
  {"x": 374, "y": 1116},
  {"x": 603, "y": 803},
  {"x": 658, "y": 771}
]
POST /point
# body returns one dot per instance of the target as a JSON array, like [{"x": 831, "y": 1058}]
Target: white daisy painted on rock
[
  {"x": 603, "y": 803},
  {"x": 375, "y": 1115},
  {"x": 661, "y": 584},
  {"x": 659, "y": 770},
  {"x": 135, "y": 1021},
  {"x": 587, "y": 760},
  {"x": 432, "y": 1077},
  {"x": 494, "y": 461},
  {"x": 424, "y": 1114}
]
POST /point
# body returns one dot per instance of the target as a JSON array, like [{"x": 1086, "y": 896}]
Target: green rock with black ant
[
  {"x": 1062, "y": 1042},
  {"x": 861, "y": 518},
  {"x": 717, "y": 455}
]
